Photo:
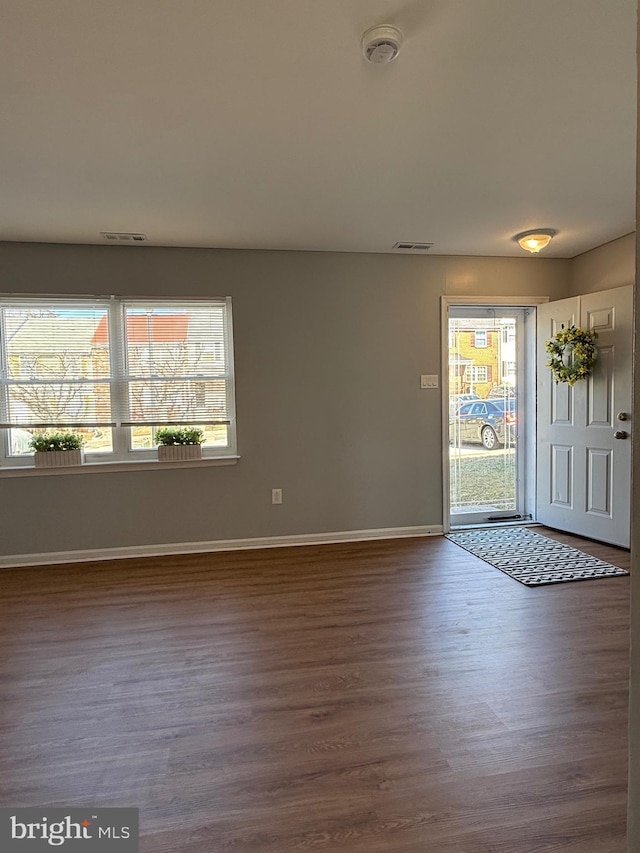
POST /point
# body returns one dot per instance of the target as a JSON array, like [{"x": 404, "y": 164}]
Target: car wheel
[{"x": 489, "y": 438}]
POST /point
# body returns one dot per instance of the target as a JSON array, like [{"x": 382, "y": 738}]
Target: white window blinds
[
  {"x": 176, "y": 364},
  {"x": 111, "y": 363},
  {"x": 55, "y": 372}
]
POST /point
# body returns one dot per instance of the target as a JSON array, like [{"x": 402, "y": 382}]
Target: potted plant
[
  {"x": 53, "y": 449},
  {"x": 177, "y": 444}
]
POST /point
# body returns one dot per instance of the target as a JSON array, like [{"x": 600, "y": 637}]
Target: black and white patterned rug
[{"x": 531, "y": 558}]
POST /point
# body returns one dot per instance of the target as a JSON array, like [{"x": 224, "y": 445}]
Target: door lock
[
  {"x": 623, "y": 416},
  {"x": 621, "y": 433}
]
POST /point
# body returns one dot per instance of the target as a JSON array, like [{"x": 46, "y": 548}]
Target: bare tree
[
  {"x": 158, "y": 391},
  {"x": 51, "y": 398}
]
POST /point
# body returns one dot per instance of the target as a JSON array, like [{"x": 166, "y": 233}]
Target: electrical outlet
[{"x": 276, "y": 496}]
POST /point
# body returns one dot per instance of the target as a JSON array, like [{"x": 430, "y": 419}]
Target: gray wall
[
  {"x": 608, "y": 266},
  {"x": 329, "y": 349}
]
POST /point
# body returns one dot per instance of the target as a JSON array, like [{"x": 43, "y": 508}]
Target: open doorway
[{"x": 489, "y": 434}]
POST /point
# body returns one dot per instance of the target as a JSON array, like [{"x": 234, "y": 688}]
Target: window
[
  {"x": 479, "y": 409},
  {"x": 478, "y": 373},
  {"x": 509, "y": 370},
  {"x": 480, "y": 338},
  {"x": 115, "y": 370}
]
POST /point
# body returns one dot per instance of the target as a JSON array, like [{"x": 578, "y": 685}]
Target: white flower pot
[
  {"x": 179, "y": 452},
  {"x": 57, "y": 458}
]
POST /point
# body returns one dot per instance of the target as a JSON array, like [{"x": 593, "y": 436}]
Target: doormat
[{"x": 531, "y": 558}]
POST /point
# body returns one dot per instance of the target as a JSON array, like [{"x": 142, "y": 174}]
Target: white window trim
[
  {"x": 106, "y": 467},
  {"x": 122, "y": 457},
  {"x": 474, "y": 371}
]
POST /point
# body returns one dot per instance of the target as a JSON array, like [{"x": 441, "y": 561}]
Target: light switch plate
[{"x": 429, "y": 380}]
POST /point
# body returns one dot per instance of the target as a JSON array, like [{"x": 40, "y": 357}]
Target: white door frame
[{"x": 445, "y": 302}]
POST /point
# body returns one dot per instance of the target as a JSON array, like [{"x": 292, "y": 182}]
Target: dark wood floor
[{"x": 398, "y": 696}]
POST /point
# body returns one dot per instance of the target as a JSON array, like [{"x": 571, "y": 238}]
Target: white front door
[{"x": 584, "y": 446}]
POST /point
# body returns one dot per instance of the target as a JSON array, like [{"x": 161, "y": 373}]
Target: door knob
[{"x": 621, "y": 433}]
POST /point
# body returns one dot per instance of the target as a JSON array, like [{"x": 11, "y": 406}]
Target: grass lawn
[{"x": 485, "y": 478}]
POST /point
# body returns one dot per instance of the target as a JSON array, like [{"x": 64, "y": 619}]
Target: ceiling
[{"x": 259, "y": 125}]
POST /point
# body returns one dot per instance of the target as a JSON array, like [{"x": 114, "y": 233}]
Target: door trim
[{"x": 445, "y": 302}]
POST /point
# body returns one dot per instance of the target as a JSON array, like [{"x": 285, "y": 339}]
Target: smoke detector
[{"x": 381, "y": 44}]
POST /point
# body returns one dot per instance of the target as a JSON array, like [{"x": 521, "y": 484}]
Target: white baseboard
[{"x": 126, "y": 552}]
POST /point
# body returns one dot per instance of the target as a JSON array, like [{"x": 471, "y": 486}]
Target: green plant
[
  {"x": 581, "y": 354},
  {"x": 179, "y": 435},
  {"x": 47, "y": 441}
]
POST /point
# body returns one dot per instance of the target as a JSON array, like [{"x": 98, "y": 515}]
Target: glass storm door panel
[{"x": 486, "y": 376}]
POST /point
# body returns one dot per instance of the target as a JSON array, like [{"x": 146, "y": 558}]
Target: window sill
[{"x": 105, "y": 467}]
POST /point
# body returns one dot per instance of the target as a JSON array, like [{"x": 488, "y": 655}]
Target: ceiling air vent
[
  {"x": 123, "y": 237},
  {"x": 413, "y": 247}
]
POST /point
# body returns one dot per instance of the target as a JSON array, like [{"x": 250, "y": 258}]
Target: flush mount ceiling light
[{"x": 533, "y": 241}]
